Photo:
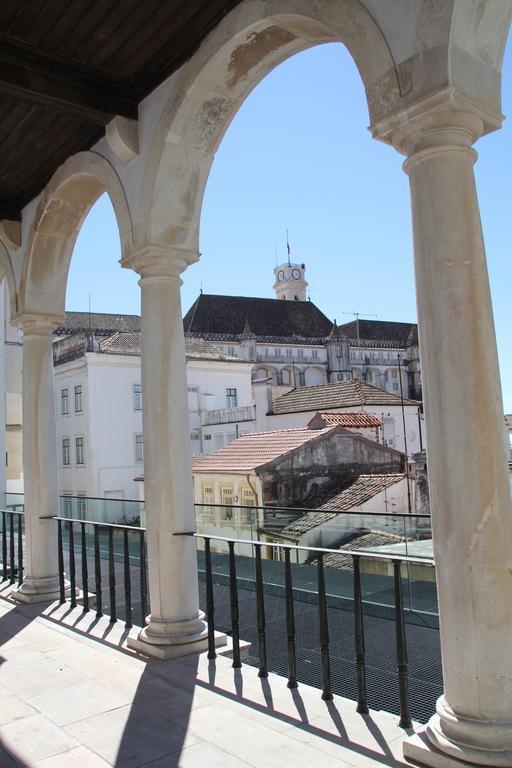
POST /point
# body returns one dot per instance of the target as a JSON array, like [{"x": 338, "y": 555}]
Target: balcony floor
[{"x": 72, "y": 694}]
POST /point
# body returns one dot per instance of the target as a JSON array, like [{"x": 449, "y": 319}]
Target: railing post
[
  {"x": 324, "y": 631},
  {"x": 401, "y": 649},
  {"x": 233, "y": 593},
  {"x": 210, "y": 609},
  {"x": 362, "y": 704},
  {"x": 85, "y": 570},
  {"x": 260, "y": 614},
  {"x": 127, "y": 582},
  {"x": 290, "y": 621}
]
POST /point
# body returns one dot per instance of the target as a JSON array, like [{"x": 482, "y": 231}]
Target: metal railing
[
  {"x": 104, "y": 568},
  {"x": 12, "y": 546},
  {"x": 323, "y": 623},
  {"x": 97, "y": 543}
]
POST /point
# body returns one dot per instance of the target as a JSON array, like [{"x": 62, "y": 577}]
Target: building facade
[
  {"x": 290, "y": 341},
  {"x": 98, "y": 402}
]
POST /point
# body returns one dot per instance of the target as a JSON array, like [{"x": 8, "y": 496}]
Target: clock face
[
  {"x": 280, "y": 275},
  {"x": 296, "y": 274}
]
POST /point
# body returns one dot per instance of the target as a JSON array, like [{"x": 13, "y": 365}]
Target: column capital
[
  {"x": 37, "y": 324},
  {"x": 444, "y": 119},
  {"x": 157, "y": 260}
]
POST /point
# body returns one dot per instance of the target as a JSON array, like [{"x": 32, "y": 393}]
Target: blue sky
[{"x": 298, "y": 156}]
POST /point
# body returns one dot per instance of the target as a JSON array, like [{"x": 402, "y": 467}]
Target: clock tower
[{"x": 290, "y": 282}]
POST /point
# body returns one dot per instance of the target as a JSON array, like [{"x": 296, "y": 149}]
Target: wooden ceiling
[{"x": 67, "y": 67}]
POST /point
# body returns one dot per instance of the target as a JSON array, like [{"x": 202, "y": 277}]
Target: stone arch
[
  {"x": 252, "y": 40},
  {"x": 7, "y": 271},
  {"x": 63, "y": 206}
]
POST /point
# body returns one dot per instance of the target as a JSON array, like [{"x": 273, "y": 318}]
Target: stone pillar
[
  {"x": 469, "y": 494},
  {"x": 175, "y": 626},
  {"x": 41, "y": 581}
]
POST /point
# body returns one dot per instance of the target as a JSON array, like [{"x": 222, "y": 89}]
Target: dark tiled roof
[
  {"x": 378, "y": 330},
  {"x": 341, "y": 394},
  {"x": 231, "y": 316},
  {"x": 362, "y": 490},
  {"x": 97, "y": 323},
  {"x": 122, "y": 343},
  {"x": 365, "y": 542},
  {"x": 257, "y": 449},
  {"x": 348, "y": 420}
]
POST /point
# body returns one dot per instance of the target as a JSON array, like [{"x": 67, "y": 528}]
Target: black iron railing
[
  {"x": 12, "y": 546},
  {"x": 114, "y": 553},
  {"x": 322, "y": 617}
]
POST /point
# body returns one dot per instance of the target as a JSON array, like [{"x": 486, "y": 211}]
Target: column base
[
  {"x": 420, "y": 751},
  {"x": 44, "y": 590},
  {"x": 170, "y": 639},
  {"x": 450, "y": 740}
]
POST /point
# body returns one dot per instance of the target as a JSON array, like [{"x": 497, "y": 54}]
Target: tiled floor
[{"x": 72, "y": 695}]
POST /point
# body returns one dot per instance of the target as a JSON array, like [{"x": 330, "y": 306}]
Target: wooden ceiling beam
[
  {"x": 62, "y": 87},
  {"x": 10, "y": 210}
]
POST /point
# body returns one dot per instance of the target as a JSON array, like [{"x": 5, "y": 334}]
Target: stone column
[
  {"x": 175, "y": 626},
  {"x": 41, "y": 581},
  {"x": 468, "y": 481}
]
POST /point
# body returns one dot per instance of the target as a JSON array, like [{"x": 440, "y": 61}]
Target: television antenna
[{"x": 357, "y": 315}]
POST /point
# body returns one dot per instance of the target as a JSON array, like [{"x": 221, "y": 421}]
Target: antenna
[
  {"x": 288, "y": 247},
  {"x": 201, "y": 287},
  {"x": 357, "y": 315}
]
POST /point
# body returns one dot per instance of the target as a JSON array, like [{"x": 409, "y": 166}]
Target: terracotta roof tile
[
  {"x": 341, "y": 394},
  {"x": 129, "y": 343},
  {"x": 347, "y": 420},
  {"x": 365, "y": 542},
  {"x": 257, "y": 449}
]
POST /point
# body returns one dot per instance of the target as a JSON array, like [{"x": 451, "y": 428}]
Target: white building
[
  {"x": 289, "y": 340},
  {"x": 297, "y": 407},
  {"x": 98, "y": 401}
]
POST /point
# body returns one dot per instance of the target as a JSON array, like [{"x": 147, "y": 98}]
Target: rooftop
[
  {"x": 97, "y": 323},
  {"x": 347, "y": 420},
  {"x": 341, "y": 394},
  {"x": 380, "y": 330},
  {"x": 235, "y": 316},
  {"x": 364, "y": 488},
  {"x": 248, "y": 452},
  {"x": 73, "y": 694}
]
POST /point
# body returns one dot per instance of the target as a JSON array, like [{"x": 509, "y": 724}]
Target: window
[
  {"x": 208, "y": 495},
  {"x": 300, "y": 353},
  {"x": 79, "y": 449},
  {"x": 276, "y": 352},
  {"x": 231, "y": 397},
  {"x": 67, "y": 504},
  {"x": 369, "y": 376},
  {"x": 302, "y": 379},
  {"x": 279, "y": 377},
  {"x": 314, "y": 354},
  {"x": 78, "y": 398},
  {"x": 66, "y": 459},
  {"x": 139, "y": 448},
  {"x": 248, "y": 500},
  {"x": 339, "y": 377},
  {"x": 285, "y": 377},
  {"x": 81, "y": 506},
  {"x": 394, "y": 374},
  {"x": 226, "y": 497},
  {"x": 64, "y": 401},
  {"x": 395, "y": 386},
  {"x": 137, "y": 397},
  {"x": 289, "y": 353},
  {"x": 207, "y": 437}
]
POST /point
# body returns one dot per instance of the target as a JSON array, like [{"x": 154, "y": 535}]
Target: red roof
[
  {"x": 256, "y": 449},
  {"x": 348, "y": 420}
]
